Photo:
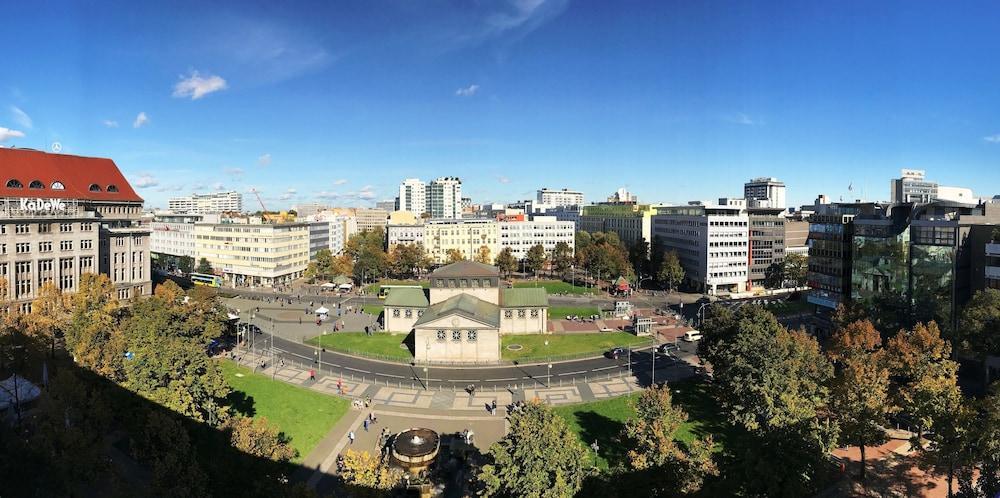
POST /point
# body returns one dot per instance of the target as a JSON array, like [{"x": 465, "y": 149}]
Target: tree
[
  {"x": 367, "y": 253},
  {"x": 651, "y": 437},
  {"x": 925, "y": 377},
  {"x": 505, "y": 261},
  {"x": 342, "y": 265},
  {"x": 978, "y": 324},
  {"x": 535, "y": 259},
  {"x": 258, "y": 437},
  {"x": 92, "y": 336},
  {"x": 368, "y": 474},
  {"x": 978, "y": 449},
  {"x": 204, "y": 267},
  {"x": 670, "y": 273},
  {"x": 796, "y": 268},
  {"x": 185, "y": 264},
  {"x": 539, "y": 457},
  {"x": 454, "y": 256},
  {"x": 166, "y": 447},
  {"x": 324, "y": 263},
  {"x": 638, "y": 256},
  {"x": 774, "y": 276},
  {"x": 562, "y": 257},
  {"x": 49, "y": 315},
  {"x": 408, "y": 260},
  {"x": 860, "y": 397},
  {"x": 483, "y": 255}
]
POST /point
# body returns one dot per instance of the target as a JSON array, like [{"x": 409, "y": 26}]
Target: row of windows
[
  {"x": 456, "y": 335},
  {"x": 25, "y": 228},
  {"x": 38, "y": 185},
  {"x": 407, "y": 313},
  {"x": 464, "y": 282},
  {"x": 46, "y": 246},
  {"x": 520, "y": 313}
]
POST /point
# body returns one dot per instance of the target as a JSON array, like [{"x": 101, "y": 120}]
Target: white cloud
[
  {"x": 264, "y": 160},
  {"x": 288, "y": 194},
  {"x": 110, "y": 123},
  {"x": 467, "y": 91},
  {"x": 196, "y": 86},
  {"x": 21, "y": 117},
  {"x": 145, "y": 180},
  {"x": 995, "y": 139},
  {"x": 503, "y": 179},
  {"x": 140, "y": 120},
  {"x": 7, "y": 133},
  {"x": 340, "y": 181}
]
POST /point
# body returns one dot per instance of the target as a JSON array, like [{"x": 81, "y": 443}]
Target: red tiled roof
[{"x": 75, "y": 173}]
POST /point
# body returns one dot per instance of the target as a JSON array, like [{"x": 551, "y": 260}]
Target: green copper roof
[
  {"x": 465, "y": 305},
  {"x": 524, "y": 297},
  {"x": 406, "y": 297}
]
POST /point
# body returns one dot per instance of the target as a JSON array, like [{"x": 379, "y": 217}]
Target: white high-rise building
[
  {"x": 444, "y": 198},
  {"x": 557, "y": 198},
  {"x": 764, "y": 192},
  {"x": 413, "y": 196},
  {"x": 219, "y": 202}
]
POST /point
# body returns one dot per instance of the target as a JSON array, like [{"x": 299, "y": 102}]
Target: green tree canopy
[
  {"x": 535, "y": 259},
  {"x": 204, "y": 267},
  {"x": 505, "y": 261},
  {"x": 670, "y": 272}
]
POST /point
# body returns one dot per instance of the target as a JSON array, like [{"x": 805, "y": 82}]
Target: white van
[{"x": 691, "y": 336}]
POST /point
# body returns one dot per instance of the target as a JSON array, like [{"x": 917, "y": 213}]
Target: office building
[
  {"x": 444, "y": 198},
  {"x": 912, "y": 187},
  {"x": 319, "y": 237},
  {"x": 622, "y": 196},
  {"x": 307, "y": 209},
  {"x": 250, "y": 253},
  {"x": 766, "y": 242},
  {"x": 62, "y": 216},
  {"x": 712, "y": 243},
  {"x": 465, "y": 236},
  {"x": 172, "y": 235},
  {"x": 991, "y": 273},
  {"x": 388, "y": 205},
  {"x": 403, "y": 227},
  {"x": 796, "y": 235},
  {"x": 520, "y": 235},
  {"x": 764, "y": 192},
  {"x": 630, "y": 221},
  {"x": 412, "y": 196},
  {"x": 559, "y": 198},
  {"x": 219, "y": 202},
  {"x": 370, "y": 219}
]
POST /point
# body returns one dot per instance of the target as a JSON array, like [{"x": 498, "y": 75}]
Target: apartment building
[
  {"x": 218, "y": 202},
  {"x": 412, "y": 196},
  {"x": 444, "y": 198},
  {"x": 630, "y": 221},
  {"x": 370, "y": 219},
  {"x": 465, "y": 236},
  {"x": 557, "y": 198},
  {"x": 62, "y": 216},
  {"x": 250, "y": 253},
  {"x": 712, "y": 243},
  {"x": 521, "y": 235},
  {"x": 173, "y": 234},
  {"x": 766, "y": 242}
]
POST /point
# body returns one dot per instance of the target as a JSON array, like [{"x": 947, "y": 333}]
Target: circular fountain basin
[{"x": 415, "y": 449}]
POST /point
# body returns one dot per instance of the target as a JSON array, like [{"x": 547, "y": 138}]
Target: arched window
[
  {"x": 14, "y": 183},
  {"x": 36, "y": 184},
  {"x": 95, "y": 187},
  {"x": 58, "y": 186},
  {"x": 112, "y": 188}
]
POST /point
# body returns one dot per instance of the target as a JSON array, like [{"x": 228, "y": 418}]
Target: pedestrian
[
  {"x": 340, "y": 386},
  {"x": 350, "y": 435},
  {"x": 300, "y": 320},
  {"x": 493, "y": 408},
  {"x": 371, "y": 416},
  {"x": 312, "y": 374},
  {"x": 366, "y": 425}
]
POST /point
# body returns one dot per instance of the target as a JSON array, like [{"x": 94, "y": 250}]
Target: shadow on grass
[
  {"x": 606, "y": 432},
  {"x": 411, "y": 343},
  {"x": 695, "y": 397},
  {"x": 242, "y": 403}
]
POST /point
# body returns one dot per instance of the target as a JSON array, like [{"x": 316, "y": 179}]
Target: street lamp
[
  {"x": 273, "y": 366},
  {"x": 549, "y": 380}
]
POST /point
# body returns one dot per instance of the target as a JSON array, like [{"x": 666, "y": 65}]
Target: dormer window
[
  {"x": 95, "y": 187},
  {"x": 58, "y": 186},
  {"x": 112, "y": 188},
  {"x": 36, "y": 184},
  {"x": 14, "y": 183}
]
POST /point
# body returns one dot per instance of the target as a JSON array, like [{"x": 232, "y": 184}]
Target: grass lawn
[
  {"x": 380, "y": 345},
  {"x": 373, "y": 288},
  {"x": 562, "y": 345},
  {"x": 604, "y": 420},
  {"x": 303, "y": 415},
  {"x": 786, "y": 308},
  {"x": 559, "y": 312},
  {"x": 556, "y": 287},
  {"x": 372, "y": 309}
]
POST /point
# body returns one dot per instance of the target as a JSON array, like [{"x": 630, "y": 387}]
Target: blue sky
[{"x": 339, "y": 101}]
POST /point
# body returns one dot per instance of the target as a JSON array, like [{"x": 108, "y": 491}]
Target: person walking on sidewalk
[
  {"x": 350, "y": 435},
  {"x": 371, "y": 416},
  {"x": 312, "y": 374},
  {"x": 365, "y": 424},
  {"x": 493, "y": 408},
  {"x": 340, "y": 386}
]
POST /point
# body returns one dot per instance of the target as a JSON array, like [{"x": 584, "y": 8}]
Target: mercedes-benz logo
[{"x": 56, "y": 147}]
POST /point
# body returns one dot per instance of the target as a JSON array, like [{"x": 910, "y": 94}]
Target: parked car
[
  {"x": 691, "y": 336},
  {"x": 615, "y": 353},
  {"x": 666, "y": 349}
]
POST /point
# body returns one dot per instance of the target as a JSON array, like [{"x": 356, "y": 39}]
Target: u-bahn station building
[
  {"x": 464, "y": 313},
  {"x": 62, "y": 216}
]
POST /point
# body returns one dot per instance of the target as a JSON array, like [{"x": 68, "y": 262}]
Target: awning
[
  {"x": 322, "y": 310},
  {"x": 328, "y": 285}
]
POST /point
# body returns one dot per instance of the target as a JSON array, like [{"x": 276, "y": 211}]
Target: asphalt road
[{"x": 492, "y": 377}]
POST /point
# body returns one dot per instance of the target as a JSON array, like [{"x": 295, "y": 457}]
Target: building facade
[
  {"x": 557, "y": 198},
  {"x": 991, "y": 274},
  {"x": 521, "y": 236},
  {"x": 412, "y": 196},
  {"x": 765, "y": 192},
  {"x": 62, "y": 216},
  {"x": 319, "y": 237},
  {"x": 712, "y": 243},
  {"x": 631, "y": 222},
  {"x": 219, "y": 202},
  {"x": 254, "y": 254},
  {"x": 370, "y": 219},
  {"x": 403, "y": 233},
  {"x": 464, "y": 236},
  {"x": 173, "y": 234},
  {"x": 766, "y": 242},
  {"x": 444, "y": 198}
]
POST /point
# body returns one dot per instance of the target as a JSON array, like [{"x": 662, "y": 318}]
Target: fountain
[{"x": 415, "y": 449}]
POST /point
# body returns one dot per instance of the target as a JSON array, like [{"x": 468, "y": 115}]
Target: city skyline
[{"x": 511, "y": 97}]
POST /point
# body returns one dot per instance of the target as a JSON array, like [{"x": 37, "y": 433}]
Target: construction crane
[{"x": 263, "y": 210}]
